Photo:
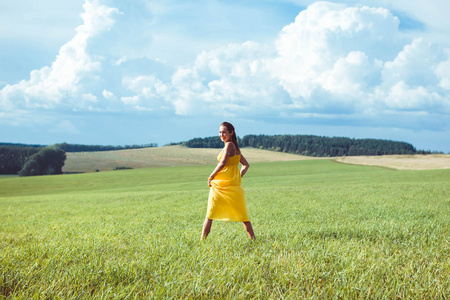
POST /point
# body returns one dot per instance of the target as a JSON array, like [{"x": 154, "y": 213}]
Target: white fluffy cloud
[
  {"x": 322, "y": 37},
  {"x": 108, "y": 95},
  {"x": 227, "y": 81},
  {"x": 350, "y": 75},
  {"x": 333, "y": 55},
  {"x": 443, "y": 73},
  {"x": 73, "y": 67},
  {"x": 149, "y": 92},
  {"x": 404, "y": 97},
  {"x": 332, "y": 59}
]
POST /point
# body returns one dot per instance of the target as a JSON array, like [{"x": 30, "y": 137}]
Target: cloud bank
[{"x": 333, "y": 62}]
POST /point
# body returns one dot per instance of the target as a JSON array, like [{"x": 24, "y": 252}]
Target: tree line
[
  {"x": 208, "y": 142},
  {"x": 311, "y": 145},
  {"x": 92, "y": 148},
  {"x": 12, "y": 158},
  {"x": 81, "y": 148}
]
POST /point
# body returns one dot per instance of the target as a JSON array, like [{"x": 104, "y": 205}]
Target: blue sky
[{"x": 137, "y": 72}]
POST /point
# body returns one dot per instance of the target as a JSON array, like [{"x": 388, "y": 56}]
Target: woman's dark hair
[{"x": 230, "y": 129}]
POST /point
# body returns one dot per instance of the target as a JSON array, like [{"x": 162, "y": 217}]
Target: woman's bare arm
[{"x": 245, "y": 165}]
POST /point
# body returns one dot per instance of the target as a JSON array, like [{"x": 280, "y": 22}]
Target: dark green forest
[
  {"x": 12, "y": 158},
  {"x": 312, "y": 145}
]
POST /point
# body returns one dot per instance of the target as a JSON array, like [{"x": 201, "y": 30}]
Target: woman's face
[{"x": 224, "y": 134}]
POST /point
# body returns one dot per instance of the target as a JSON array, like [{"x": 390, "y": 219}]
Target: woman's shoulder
[{"x": 230, "y": 147}]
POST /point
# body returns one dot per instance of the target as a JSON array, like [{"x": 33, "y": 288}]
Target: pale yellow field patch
[
  {"x": 168, "y": 156},
  {"x": 401, "y": 162}
]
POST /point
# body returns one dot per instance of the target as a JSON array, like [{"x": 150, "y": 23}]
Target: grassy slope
[
  {"x": 169, "y": 156},
  {"x": 323, "y": 229}
]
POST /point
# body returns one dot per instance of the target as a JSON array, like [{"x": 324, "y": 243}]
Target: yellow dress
[{"x": 226, "y": 199}]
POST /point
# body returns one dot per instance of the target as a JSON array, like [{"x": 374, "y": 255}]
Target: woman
[{"x": 226, "y": 200}]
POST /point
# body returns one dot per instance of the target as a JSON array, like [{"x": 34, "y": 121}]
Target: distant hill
[
  {"x": 167, "y": 156},
  {"x": 311, "y": 145}
]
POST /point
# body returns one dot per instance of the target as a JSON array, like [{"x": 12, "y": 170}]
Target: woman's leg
[
  {"x": 206, "y": 228},
  {"x": 248, "y": 227}
]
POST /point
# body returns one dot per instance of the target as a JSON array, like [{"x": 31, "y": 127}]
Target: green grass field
[{"x": 324, "y": 230}]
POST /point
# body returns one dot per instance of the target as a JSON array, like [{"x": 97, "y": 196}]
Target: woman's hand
[{"x": 209, "y": 181}]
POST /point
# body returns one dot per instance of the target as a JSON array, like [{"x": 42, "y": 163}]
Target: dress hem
[{"x": 228, "y": 220}]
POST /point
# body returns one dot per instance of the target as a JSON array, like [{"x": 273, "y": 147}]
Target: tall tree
[{"x": 47, "y": 161}]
